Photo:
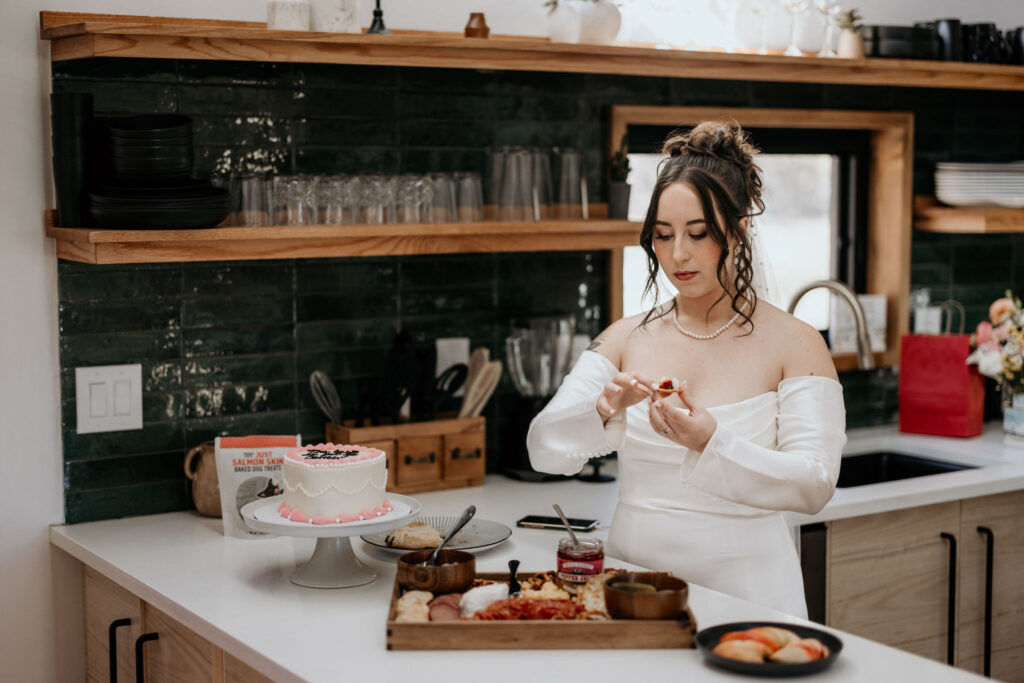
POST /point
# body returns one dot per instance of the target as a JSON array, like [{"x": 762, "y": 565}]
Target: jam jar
[{"x": 577, "y": 562}]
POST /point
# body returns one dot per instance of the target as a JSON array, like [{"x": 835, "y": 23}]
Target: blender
[{"x": 539, "y": 356}]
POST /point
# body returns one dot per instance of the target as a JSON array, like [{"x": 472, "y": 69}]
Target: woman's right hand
[{"x": 625, "y": 389}]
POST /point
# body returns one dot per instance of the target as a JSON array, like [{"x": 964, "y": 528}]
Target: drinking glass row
[
  {"x": 520, "y": 184},
  {"x": 259, "y": 200}
]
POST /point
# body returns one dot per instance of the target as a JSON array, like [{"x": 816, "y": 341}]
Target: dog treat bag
[{"x": 248, "y": 469}]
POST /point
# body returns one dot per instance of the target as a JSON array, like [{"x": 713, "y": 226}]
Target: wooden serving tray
[{"x": 623, "y": 634}]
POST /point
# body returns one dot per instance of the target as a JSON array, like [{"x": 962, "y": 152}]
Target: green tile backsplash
[{"x": 228, "y": 347}]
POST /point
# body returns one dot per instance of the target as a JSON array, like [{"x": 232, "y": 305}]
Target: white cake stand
[{"x": 333, "y": 564}]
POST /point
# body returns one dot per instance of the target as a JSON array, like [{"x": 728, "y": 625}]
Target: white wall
[{"x": 30, "y": 457}]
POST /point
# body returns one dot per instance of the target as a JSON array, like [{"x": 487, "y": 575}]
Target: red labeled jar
[{"x": 578, "y": 562}]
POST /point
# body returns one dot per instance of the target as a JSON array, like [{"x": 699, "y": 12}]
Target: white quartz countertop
[
  {"x": 999, "y": 468},
  {"x": 236, "y": 592}
]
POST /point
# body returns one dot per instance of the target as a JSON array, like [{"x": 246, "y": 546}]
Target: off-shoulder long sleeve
[
  {"x": 569, "y": 431},
  {"x": 800, "y": 474}
]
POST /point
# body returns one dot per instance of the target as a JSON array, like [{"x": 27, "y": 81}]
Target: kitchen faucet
[{"x": 865, "y": 359}]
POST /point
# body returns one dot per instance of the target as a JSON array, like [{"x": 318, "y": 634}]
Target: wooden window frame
[{"x": 890, "y": 196}]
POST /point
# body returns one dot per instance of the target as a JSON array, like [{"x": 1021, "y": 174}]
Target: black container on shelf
[
  {"x": 1015, "y": 45},
  {"x": 71, "y": 118},
  {"x": 983, "y": 43},
  {"x": 951, "y": 46}
]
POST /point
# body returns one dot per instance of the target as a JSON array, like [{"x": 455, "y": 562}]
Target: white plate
[
  {"x": 478, "y": 534},
  {"x": 262, "y": 515},
  {"x": 980, "y": 202},
  {"x": 956, "y": 167}
]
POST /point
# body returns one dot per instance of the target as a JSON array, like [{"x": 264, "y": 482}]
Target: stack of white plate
[{"x": 999, "y": 185}]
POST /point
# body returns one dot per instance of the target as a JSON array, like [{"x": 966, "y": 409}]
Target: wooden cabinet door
[
  {"x": 1003, "y": 515},
  {"x": 105, "y": 603},
  {"x": 889, "y": 577},
  {"x": 179, "y": 655},
  {"x": 236, "y": 671}
]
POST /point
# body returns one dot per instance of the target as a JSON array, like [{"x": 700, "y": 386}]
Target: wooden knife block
[{"x": 424, "y": 456}]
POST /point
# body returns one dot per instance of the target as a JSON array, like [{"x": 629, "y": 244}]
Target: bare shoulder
[
  {"x": 801, "y": 347},
  {"x": 612, "y": 342}
]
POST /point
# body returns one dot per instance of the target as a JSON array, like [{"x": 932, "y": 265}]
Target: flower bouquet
[
  {"x": 997, "y": 344},
  {"x": 997, "y": 348}
]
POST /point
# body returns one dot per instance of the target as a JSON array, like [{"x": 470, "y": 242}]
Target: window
[
  {"x": 812, "y": 195},
  {"x": 872, "y": 200}
]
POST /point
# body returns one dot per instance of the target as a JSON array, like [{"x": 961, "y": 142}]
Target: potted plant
[
  {"x": 583, "y": 21},
  {"x": 851, "y": 42},
  {"x": 618, "y": 189}
]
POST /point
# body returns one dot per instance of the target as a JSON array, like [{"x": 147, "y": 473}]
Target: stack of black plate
[
  {"x": 184, "y": 204},
  {"x": 155, "y": 147},
  {"x": 901, "y": 42},
  {"x": 149, "y": 184}
]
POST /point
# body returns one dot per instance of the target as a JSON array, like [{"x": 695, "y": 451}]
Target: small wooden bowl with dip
[
  {"x": 453, "y": 573},
  {"x": 646, "y": 595}
]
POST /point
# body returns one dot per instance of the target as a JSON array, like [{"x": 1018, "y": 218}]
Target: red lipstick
[{"x": 684, "y": 274}]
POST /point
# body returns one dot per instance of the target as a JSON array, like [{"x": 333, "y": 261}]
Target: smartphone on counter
[{"x": 543, "y": 522}]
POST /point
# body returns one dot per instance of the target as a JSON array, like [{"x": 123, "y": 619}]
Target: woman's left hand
[{"x": 691, "y": 430}]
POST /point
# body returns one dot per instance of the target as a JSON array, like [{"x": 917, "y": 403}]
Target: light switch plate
[{"x": 108, "y": 398}]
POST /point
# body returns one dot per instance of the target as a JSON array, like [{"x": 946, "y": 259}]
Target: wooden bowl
[
  {"x": 453, "y": 573},
  {"x": 668, "y": 601}
]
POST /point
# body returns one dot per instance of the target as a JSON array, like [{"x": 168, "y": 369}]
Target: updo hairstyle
[{"x": 716, "y": 159}]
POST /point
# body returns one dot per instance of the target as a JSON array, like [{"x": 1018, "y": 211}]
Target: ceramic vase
[
  {"x": 1013, "y": 417},
  {"x": 618, "y": 200},
  {"x": 851, "y": 45},
  {"x": 477, "y": 26},
  {"x": 584, "y": 21}
]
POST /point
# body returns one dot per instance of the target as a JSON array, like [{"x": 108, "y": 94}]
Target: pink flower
[
  {"x": 1001, "y": 333},
  {"x": 1000, "y": 310},
  {"x": 982, "y": 332}
]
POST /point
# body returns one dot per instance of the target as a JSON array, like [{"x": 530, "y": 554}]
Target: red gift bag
[{"x": 939, "y": 393}]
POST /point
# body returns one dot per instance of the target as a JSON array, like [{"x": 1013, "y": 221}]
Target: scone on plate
[{"x": 415, "y": 536}]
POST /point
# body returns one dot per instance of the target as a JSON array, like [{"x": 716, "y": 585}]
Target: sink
[{"x": 882, "y": 466}]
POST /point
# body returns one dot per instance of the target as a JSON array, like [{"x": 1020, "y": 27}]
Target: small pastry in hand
[
  {"x": 415, "y": 536},
  {"x": 805, "y": 650},
  {"x": 667, "y": 386},
  {"x": 743, "y": 650}
]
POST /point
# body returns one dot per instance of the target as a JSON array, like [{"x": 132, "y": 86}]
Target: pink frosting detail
[
  {"x": 302, "y": 517},
  {"x": 370, "y": 454}
]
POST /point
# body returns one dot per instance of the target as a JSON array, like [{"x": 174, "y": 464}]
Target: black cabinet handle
[
  {"x": 112, "y": 645},
  {"x": 409, "y": 460},
  {"x": 457, "y": 454},
  {"x": 990, "y": 546},
  {"x": 140, "y": 667},
  {"x": 951, "y": 616}
]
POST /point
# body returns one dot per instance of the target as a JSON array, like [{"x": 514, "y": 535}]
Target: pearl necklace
[{"x": 714, "y": 334}]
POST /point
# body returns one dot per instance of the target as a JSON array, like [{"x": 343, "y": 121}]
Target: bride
[{"x": 758, "y": 424}]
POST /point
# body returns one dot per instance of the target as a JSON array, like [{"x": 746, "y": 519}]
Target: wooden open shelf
[
  {"x": 930, "y": 216},
  {"x": 76, "y": 35},
  {"x": 106, "y": 246}
]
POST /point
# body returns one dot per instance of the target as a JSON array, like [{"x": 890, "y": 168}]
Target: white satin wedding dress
[{"x": 713, "y": 518}]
